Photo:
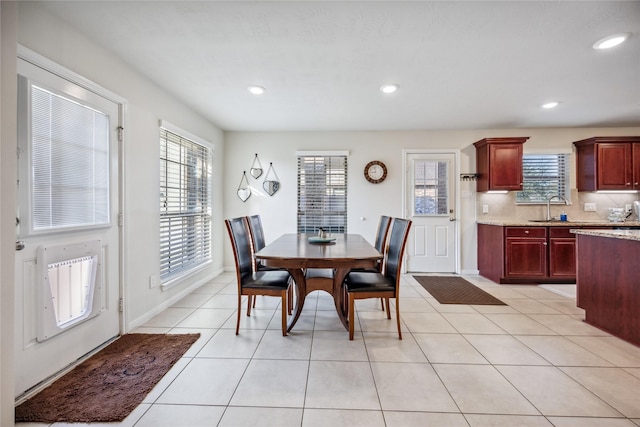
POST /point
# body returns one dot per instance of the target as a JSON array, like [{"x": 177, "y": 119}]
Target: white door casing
[
  {"x": 430, "y": 201},
  {"x": 39, "y": 356}
]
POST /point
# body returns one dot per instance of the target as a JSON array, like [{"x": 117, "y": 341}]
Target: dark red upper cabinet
[
  {"x": 499, "y": 163},
  {"x": 608, "y": 163}
]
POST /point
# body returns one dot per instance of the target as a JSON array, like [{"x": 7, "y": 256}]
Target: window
[
  {"x": 544, "y": 175},
  {"x": 322, "y": 192},
  {"x": 69, "y": 163},
  {"x": 185, "y": 204},
  {"x": 430, "y": 187}
]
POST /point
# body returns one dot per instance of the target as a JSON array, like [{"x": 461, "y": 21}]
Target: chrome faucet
[{"x": 566, "y": 202}]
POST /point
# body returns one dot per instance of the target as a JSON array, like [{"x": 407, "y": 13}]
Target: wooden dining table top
[{"x": 296, "y": 251}]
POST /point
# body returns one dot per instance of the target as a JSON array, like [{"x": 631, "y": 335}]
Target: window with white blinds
[
  {"x": 185, "y": 205},
  {"x": 322, "y": 193},
  {"x": 544, "y": 175},
  {"x": 69, "y": 146}
]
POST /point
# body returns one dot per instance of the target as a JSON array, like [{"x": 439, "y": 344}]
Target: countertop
[
  {"x": 614, "y": 234},
  {"x": 571, "y": 223}
]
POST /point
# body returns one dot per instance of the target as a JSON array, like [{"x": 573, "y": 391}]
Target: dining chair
[
  {"x": 258, "y": 242},
  {"x": 386, "y": 284},
  {"x": 251, "y": 282}
]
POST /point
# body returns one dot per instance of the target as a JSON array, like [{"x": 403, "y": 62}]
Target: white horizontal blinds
[
  {"x": 430, "y": 187},
  {"x": 185, "y": 205},
  {"x": 70, "y": 163},
  {"x": 322, "y": 193},
  {"x": 544, "y": 175}
]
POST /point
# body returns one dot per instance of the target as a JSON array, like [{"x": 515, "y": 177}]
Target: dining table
[{"x": 319, "y": 264}]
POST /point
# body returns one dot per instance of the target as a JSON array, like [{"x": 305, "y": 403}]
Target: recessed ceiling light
[
  {"x": 611, "y": 41},
  {"x": 256, "y": 90},
  {"x": 550, "y": 105},
  {"x": 390, "y": 88}
]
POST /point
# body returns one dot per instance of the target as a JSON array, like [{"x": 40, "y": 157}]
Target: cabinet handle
[
  {"x": 545, "y": 243},
  {"x": 526, "y": 231},
  {"x": 628, "y": 183}
]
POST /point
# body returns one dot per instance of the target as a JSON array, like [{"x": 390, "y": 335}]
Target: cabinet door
[
  {"x": 562, "y": 258},
  {"x": 525, "y": 257},
  {"x": 505, "y": 167},
  {"x": 636, "y": 165},
  {"x": 614, "y": 166}
]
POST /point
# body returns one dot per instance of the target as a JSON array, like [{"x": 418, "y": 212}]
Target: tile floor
[{"x": 530, "y": 363}]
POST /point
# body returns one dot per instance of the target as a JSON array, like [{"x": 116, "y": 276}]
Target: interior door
[
  {"x": 68, "y": 239},
  {"x": 431, "y": 205}
]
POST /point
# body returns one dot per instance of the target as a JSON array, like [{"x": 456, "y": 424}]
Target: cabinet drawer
[
  {"x": 526, "y": 231},
  {"x": 561, "y": 232}
]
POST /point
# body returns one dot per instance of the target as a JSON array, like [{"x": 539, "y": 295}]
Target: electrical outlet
[
  {"x": 589, "y": 207},
  {"x": 485, "y": 209},
  {"x": 627, "y": 207},
  {"x": 153, "y": 281}
]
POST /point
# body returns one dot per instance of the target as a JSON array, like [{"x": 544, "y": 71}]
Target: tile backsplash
[{"x": 503, "y": 206}]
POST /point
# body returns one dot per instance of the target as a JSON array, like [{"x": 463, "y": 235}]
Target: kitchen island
[{"x": 608, "y": 280}]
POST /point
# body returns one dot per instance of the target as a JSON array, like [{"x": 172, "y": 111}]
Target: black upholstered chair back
[
  {"x": 255, "y": 224},
  {"x": 395, "y": 248},
  {"x": 239, "y": 235},
  {"x": 381, "y": 235}
]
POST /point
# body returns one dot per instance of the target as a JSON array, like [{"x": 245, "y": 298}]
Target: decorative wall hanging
[
  {"x": 256, "y": 171},
  {"x": 244, "y": 192},
  {"x": 271, "y": 185}
]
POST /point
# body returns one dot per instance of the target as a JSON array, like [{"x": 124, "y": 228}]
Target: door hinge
[
  {"x": 120, "y": 305},
  {"x": 120, "y": 219},
  {"x": 120, "y": 132}
]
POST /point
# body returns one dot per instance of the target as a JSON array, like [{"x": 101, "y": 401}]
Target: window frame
[
  {"x": 201, "y": 217},
  {"x": 321, "y": 217},
  {"x": 563, "y": 158}
]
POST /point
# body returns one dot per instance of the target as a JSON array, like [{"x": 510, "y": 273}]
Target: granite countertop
[
  {"x": 614, "y": 234},
  {"x": 571, "y": 223}
]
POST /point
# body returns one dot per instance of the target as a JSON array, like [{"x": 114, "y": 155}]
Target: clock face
[{"x": 375, "y": 172}]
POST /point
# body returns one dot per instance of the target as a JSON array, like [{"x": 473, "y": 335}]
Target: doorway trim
[{"x": 406, "y": 152}]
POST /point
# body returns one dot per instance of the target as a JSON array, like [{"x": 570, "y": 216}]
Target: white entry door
[
  {"x": 431, "y": 205},
  {"x": 68, "y": 239}
]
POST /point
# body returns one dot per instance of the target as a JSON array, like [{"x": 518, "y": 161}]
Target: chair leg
[
  {"x": 386, "y": 302},
  {"x": 254, "y": 300},
  {"x": 351, "y": 315},
  {"x": 382, "y": 304},
  {"x": 397, "y": 317},
  {"x": 239, "y": 310},
  {"x": 285, "y": 296},
  {"x": 289, "y": 299},
  {"x": 249, "y": 299}
]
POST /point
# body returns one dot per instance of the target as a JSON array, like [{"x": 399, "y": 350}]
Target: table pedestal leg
[
  {"x": 339, "y": 297},
  {"x": 301, "y": 293}
]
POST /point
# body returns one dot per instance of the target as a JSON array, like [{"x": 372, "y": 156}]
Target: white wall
[
  {"x": 146, "y": 105},
  {"x": 365, "y": 199}
]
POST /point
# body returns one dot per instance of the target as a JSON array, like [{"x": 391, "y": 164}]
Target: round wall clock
[{"x": 375, "y": 172}]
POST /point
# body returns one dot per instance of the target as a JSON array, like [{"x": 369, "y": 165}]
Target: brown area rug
[
  {"x": 110, "y": 384},
  {"x": 456, "y": 290}
]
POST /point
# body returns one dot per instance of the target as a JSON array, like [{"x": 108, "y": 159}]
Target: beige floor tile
[
  {"x": 478, "y": 420},
  {"x": 205, "y": 382},
  {"x": 259, "y": 319},
  {"x": 411, "y": 387},
  {"x": 193, "y": 300},
  {"x": 166, "y": 380},
  {"x": 537, "y": 292},
  {"x": 417, "y": 305},
  {"x": 226, "y": 344},
  {"x": 520, "y": 324},
  {"x": 481, "y": 389},
  {"x": 181, "y": 416},
  {"x": 565, "y": 397},
  {"x": 241, "y": 416},
  {"x": 529, "y": 306},
  {"x": 565, "y": 306},
  {"x": 341, "y": 385},
  {"x": 170, "y": 317},
  {"x": 386, "y": 347},
  {"x": 211, "y": 318},
  {"x": 275, "y": 383},
  {"x": 329, "y": 345},
  {"x": 130, "y": 421},
  {"x": 205, "y": 336},
  {"x": 448, "y": 348},
  {"x": 225, "y": 301},
  {"x": 505, "y": 350},
  {"x": 613, "y": 385},
  {"x": 377, "y": 321},
  {"x": 567, "y": 325},
  {"x": 633, "y": 371},
  {"x": 451, "y": 308},
  {"x": 562, "y": 352},
  {"x": 495, "y": 309},
  {"x": 590, "y": 422},
  {"x": 275, "y": 346},
  {"x": 328, "y": 320},
  {"x": 612, "y": 349},
  {"x": 472, "y": 324},
  {"x": 422, "y": 419},
  {"x": 342, "y": 418},
  {"x": 305, "y": 323},
  {"x": 212, "y": 288},
  {"x": 427, "y": 323}
]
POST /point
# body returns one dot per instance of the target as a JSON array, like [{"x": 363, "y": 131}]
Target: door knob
[{"x": 19, "y": 245}]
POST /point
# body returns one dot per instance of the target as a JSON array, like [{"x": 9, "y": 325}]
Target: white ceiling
[{"x": 460, "y": 65}]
